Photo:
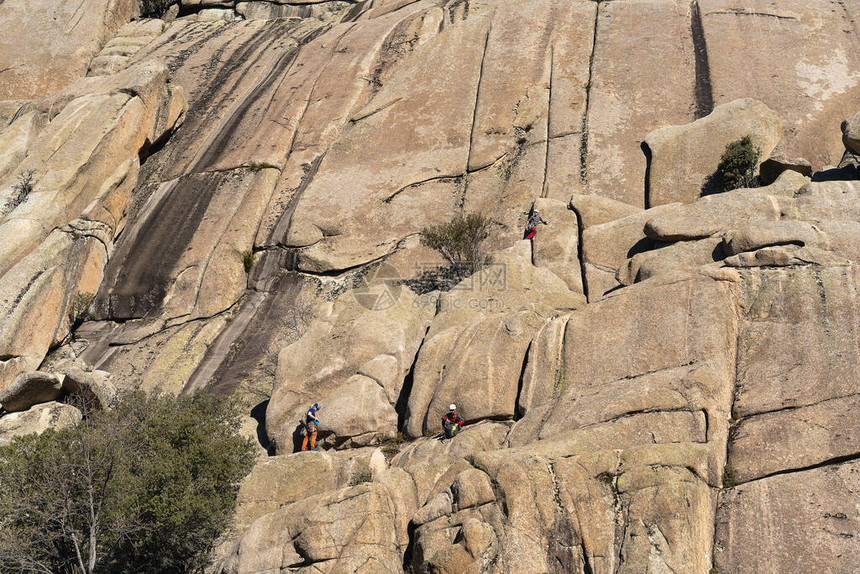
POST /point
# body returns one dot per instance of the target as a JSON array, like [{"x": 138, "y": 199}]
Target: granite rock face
[
  {"x": 232, "y": 198},
  {"x": 53, "y": 42}
]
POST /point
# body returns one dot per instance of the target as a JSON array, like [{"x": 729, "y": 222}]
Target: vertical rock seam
[
  {"x": 704, "y": 90},
  {"x": 583, "y": 148},
  {"x": 543, "y": 190}
]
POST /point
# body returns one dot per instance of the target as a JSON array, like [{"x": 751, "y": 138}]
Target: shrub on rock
[{"x": 737, "y": 166}]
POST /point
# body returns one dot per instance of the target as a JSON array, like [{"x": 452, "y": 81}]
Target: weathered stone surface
[
  {"x": 798, "y": 338},
  {"x": 679, "y": 257},
  {"x": 798, "y": 522},
  {"x": 717, "y": 214},
  {"x": 93, "y": 388},
  {"x": 750, "y": 236},
  {"x": 434, "y": 464},
  {"x": 682, "y": 157},
  {"x": 605, "y": 512},
  {"x": 160, "y": 358},
  {"x": 594, "y": 210},
  {"x": 15, "y": 138},
  {"x": 109, "y": 119},
  {"x": 771, "y": 168},
  {"x": 38, "y": 295},
  {"x": 679, "y": 355},
  {"x": 629, "y": 98},
  {"x": 557, "y": 247},
  {"x": 350, "y": 530},
  {"x": 37, "y": 419},
  {"x": 268, "y": 10},
  {"x": 199, "y": 272},
  {"x": 118, "y": 52},
  {"x": 52, "y": 43},
  {"x": 813, "y": 76},
  {"x": 794, "y": 439},
  {"x": 607, "y": 246},
  {"x": 280, "y": 480},
  {"x": 500, "y": 307},
  {"x": 30, "y": 389},
  {"x": 328, "y": 366}
]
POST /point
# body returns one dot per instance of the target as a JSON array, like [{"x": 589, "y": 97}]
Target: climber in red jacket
[{"x": 452, "y": 422}]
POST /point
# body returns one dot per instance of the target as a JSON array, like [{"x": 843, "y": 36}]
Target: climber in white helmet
[{"x": 452, "y": 421}]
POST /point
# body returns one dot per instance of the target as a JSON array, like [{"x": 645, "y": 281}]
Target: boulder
[
  {"x": 682, "y": 157},
  {"x": 217, "y": 15},
  {"x": 30, "y": 389},
  {"x": 851, "y": 133},
  {"x": 373, "y": 331},
  {"x": 630, "y": 97},
  {"x": 753, "y": 235},
  {"x": 606, "y": 247},
  {"x": 818, "y": 82},
  {"x": 348, "y": 530},
  {"x": 277, "y": 481},
  {"x": 714, "y": 215},
  {"x": 678, "y": 258},
  {"x": 806, "y": 521},
  {"x": 94, "y": 388},
  {"x": 259, "y": 10},
  {"x": 37, "y": 419},
  {"x": 771, "y": 168}
]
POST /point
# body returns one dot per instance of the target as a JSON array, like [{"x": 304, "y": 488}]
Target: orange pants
[{"x": 311, "y": 434}]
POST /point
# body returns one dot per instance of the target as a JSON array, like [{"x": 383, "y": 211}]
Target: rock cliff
[{"x": 230, "y": 197}]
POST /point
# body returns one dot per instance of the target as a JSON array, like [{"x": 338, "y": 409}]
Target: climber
[
  {"x": 452, "y": 421},
  {"x": 312, "y": 424},
  {"x": 531, "y": 226}
]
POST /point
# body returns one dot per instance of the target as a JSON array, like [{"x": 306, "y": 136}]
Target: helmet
[
  {"x": 536, "y": 211},
  {"x": 317, "y": 406},
  {"x": 452, "y": 407}
]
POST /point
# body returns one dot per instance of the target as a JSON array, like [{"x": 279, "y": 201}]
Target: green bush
[
  {"x": 260, "y": 165},
  {"x": 155, "y": 8},
  {"x": 737, "y": 166},
  {"x": 248, "y": 258},
  {"x": 459, "y": 240},
  {"x": 146, "y": 487}
]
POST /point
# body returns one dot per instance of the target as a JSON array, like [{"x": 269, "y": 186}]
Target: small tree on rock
[
  {"x": 737, "y": 167},
  {"x": 459, "y": 240}
]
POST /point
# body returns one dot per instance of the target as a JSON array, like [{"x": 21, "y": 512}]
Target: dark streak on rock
[
  {"x": 477, "y": 99},
  {"x": 704, "y": 90},
  {"x": 548, "y": 120},
  {"x": 583, "y": 148}
]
